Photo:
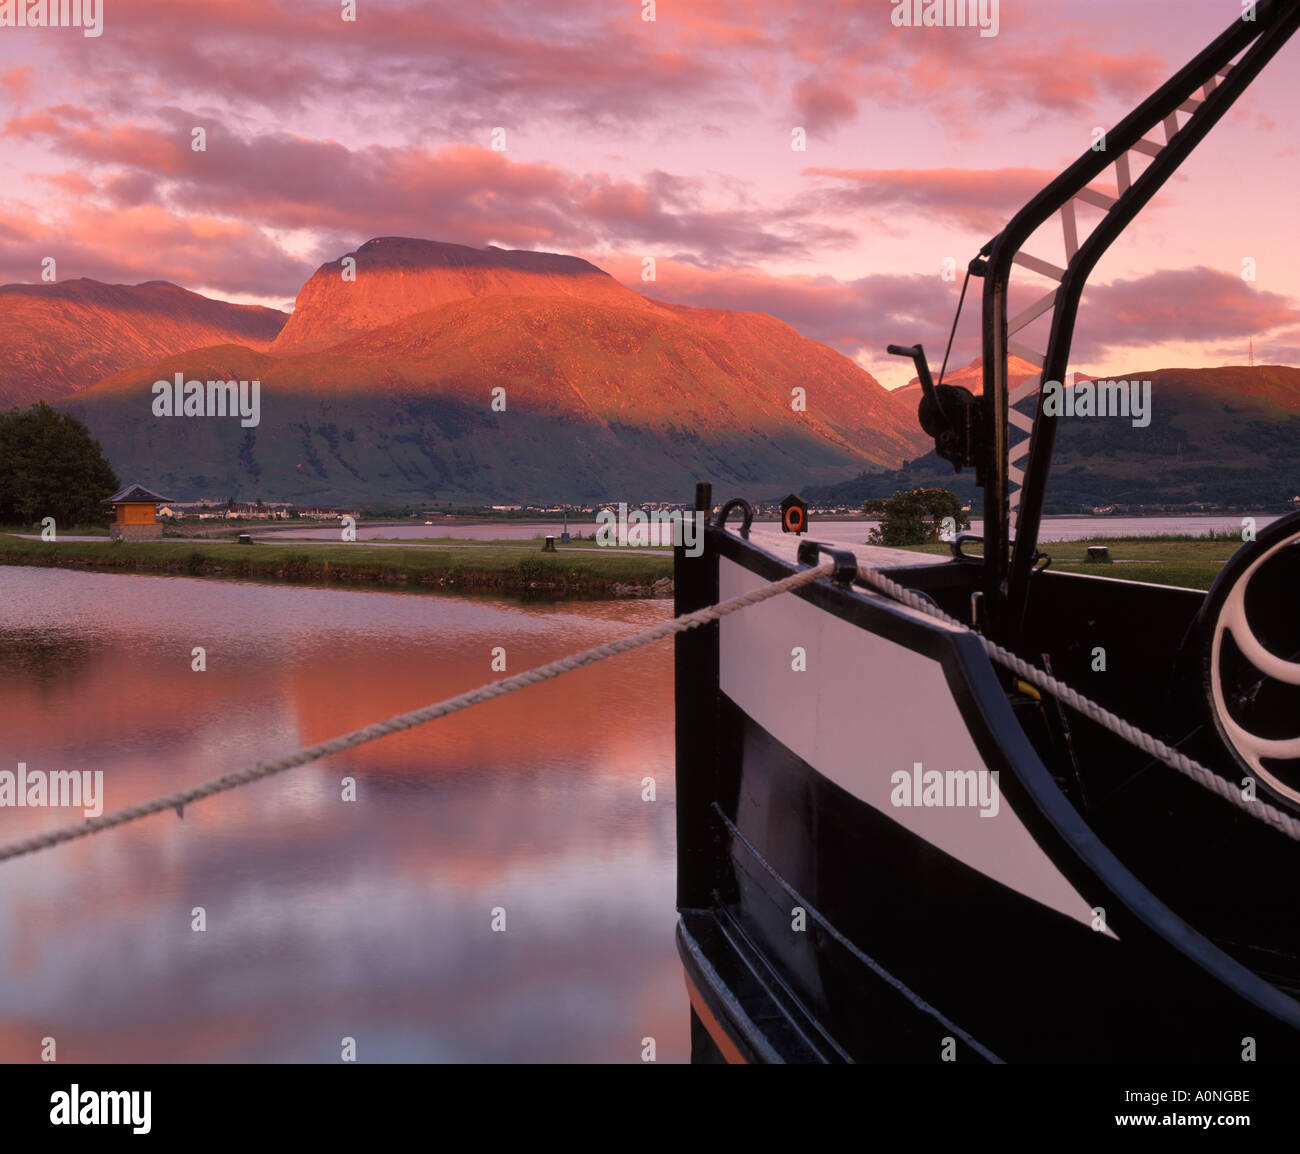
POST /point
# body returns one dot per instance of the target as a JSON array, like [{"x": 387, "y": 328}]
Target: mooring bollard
[
  {"x": 1098, "y": 554},
  {"x": 548, "y": 546}
]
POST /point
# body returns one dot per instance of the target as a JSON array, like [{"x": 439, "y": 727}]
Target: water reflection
[{"x": 328, "y": 919}]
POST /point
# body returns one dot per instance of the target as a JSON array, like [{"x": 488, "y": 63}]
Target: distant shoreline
[
  {"x": 515, "y": 567},
  {"x": 221, "y": 529}
]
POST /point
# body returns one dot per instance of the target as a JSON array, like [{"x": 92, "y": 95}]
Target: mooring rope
[
  {"x": 181, "y": 798},
  {"x": 1153, "y": 746}
]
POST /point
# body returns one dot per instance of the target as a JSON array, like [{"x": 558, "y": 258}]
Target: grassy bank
[
  {"x": 97, "y": 530},
  {"x": 508, "y": 566},
  {"x": 1192, "y": 562}
]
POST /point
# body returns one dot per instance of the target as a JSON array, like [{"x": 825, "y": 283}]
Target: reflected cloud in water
[{"x": 326, "y": 918}]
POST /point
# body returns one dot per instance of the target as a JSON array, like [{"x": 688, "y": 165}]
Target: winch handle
[{"x": 923, "y": 371}]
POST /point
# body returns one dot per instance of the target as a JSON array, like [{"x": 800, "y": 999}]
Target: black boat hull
[{"x": 822, "y": 920}]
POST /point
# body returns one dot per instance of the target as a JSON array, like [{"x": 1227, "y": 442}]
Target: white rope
[
  {"x": 1153, "y": 746},
  {"x": 177, "y": 801}
]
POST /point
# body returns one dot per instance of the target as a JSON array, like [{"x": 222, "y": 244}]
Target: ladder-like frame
[{"x": 1203, "y": 91}]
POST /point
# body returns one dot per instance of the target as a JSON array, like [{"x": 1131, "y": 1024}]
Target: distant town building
[{"x": 136, "y": 510}]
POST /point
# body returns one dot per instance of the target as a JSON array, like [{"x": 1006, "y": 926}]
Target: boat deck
[{"x": 785, "y": 545}]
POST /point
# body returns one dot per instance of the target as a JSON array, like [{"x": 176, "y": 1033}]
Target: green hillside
[{"x": 1228, "y": 435}]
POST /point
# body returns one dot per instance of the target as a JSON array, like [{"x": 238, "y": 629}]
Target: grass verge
[
  {"x": 1192, "y": 562},
  {"x": 510, "y": 566}
]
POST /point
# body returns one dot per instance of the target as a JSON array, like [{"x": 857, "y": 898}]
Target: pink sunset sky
[{"x": 627, "y": 138}]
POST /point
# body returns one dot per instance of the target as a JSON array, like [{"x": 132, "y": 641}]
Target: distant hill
[
  {"x": 58, "y": 338},
  {"x": 1228, "y": 435},
  {"x": 380, "y": 389}
]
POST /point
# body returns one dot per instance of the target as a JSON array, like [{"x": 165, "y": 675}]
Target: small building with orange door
[{"x": 137, "y": 514}]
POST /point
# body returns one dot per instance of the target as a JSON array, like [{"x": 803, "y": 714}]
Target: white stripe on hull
[{"x": 865, "y": 709}]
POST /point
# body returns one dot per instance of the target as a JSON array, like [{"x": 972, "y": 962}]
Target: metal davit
[{"x": 1014, "y": 436}]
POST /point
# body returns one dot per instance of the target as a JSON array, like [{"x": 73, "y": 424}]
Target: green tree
[
  {"x": 915, "y": 516},
  {"x": 50, "y": 466}
]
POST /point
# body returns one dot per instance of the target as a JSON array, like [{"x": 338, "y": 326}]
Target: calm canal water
[{"x": 328, "y": 919}]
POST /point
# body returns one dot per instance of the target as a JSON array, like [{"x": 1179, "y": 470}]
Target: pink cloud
[
  {"x": 869, "y": 312},
  {"x": 823, "y": 105},
  {"x": 981, "y": 199},
  {"x": 1055, "y": 71},
  {"x": 475, "y": 195},
  {"x": 1192, "y": 305},
  {"x": 1174, "y": 305},
  {"x": 132, "y": 245},
  {"x": 1038, "y": 62},
  {"x": 590, "y": 61},
  {"x": 596, "y": 63},
  {"x": 17, "y": 82}
]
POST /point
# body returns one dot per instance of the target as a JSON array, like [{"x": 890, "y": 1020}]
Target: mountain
[
  {"x": 381, "y": 389},
  {"x": 1227, "y": 435},
  {"x": 399, "y": 277},
  {"x": 58, "y": 338}
]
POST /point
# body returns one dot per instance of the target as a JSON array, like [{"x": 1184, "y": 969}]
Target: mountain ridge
[
  {"x": 56, "y": 339},
  {"x": 382, "y": 389},
  {"x": 367, "y": 394}
]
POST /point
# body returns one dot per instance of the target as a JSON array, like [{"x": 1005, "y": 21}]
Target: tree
[
  {"x": 916, "y": 516},
  {"x": 50, "y": 466}
]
